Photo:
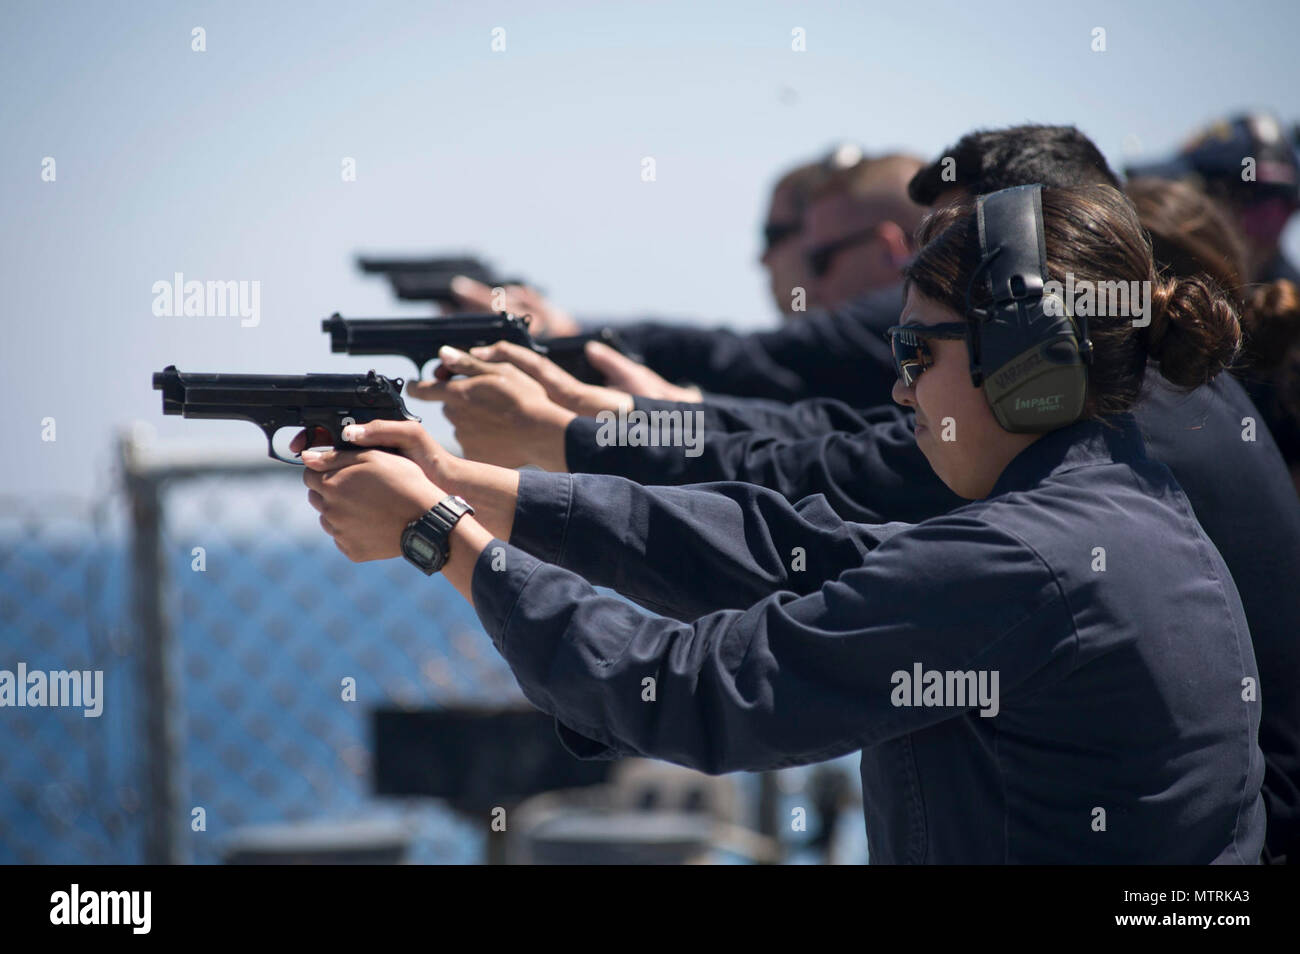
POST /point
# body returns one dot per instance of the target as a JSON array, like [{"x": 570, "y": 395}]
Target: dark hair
[
  {"x": 1272, "y": 354},
  {"x": 1093, "y": 232},
  {"x": 1192, "y": 234},
  {"x": 1272, "y": 324},
  {"x": 1271, "y": 361},
  {"x": 989, "y": 160}
]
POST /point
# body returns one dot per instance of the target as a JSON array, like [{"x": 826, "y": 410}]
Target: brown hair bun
[{"x": 1194, "y": 331}]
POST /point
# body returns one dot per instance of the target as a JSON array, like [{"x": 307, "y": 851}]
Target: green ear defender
[{"x": 1026, "y": 351}]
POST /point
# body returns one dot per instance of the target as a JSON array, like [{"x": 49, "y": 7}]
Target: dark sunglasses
[
  {"x": 774, "y": 233},
  {"x": 820, "y": 258},
  {"x": 911, "y": 353}
]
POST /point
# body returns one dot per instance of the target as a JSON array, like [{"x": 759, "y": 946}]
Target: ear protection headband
[{"x": 1030, "y": 360}]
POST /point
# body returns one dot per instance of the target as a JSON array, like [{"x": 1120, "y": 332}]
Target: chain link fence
[
  {"x": 241, "y": 654},
  {"x": 67, "y": 794}
]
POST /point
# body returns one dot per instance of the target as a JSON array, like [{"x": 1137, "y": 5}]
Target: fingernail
[
  {"x": 448, "y": 353},
  {"x": 310, "y": 455},
  {"x": 482, "y": 351},
  {"x": 461, "y": 284},
  {"x": 353, "y": 431}
]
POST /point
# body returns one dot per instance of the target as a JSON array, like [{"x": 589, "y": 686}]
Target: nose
[{"x": 902, "y": 394}]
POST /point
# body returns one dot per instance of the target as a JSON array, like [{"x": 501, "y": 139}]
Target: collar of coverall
[{"x": 1082, "y": 444}]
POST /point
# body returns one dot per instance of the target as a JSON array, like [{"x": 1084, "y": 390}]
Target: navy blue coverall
[
  {"x": 1125, "y": 728},
  {"x": 867, "y": 465}
]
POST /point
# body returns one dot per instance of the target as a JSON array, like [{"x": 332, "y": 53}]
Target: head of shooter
[
  {"x": 1091, "y": 232},
  {"x": 858, "y": 230},
  {"x": 1250, "y": 164},
  {"x": 989, "y": 160},
  {"x": 782, "y": 254}
]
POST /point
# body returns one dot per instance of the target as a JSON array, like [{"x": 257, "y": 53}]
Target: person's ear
[{"x": 894, "y": 240}]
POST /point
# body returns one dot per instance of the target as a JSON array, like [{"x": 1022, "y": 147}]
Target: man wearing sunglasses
[
  {"x": 848, "y": 217},
  {"x": 782, "y": 256},
  {"x": 858, "y": 230}
]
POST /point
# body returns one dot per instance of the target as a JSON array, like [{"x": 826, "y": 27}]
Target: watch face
[
  {"x": 420, "y": 546},
  {"x": 420, "y": 549}
]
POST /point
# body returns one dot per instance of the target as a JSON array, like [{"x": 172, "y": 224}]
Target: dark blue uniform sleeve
[
  {"x": 807, "y": 418},
  {"x": 792, "y": 679},
  {"x": 839, "y": 353},
  {"x": 687, "y": 551},
  {"x": 872, "y": 476}
]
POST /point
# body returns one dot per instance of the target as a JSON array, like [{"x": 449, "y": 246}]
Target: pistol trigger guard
[{"x": 270, "y": 449}]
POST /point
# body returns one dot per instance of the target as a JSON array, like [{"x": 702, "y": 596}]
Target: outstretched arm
[
  {"x": 683, "y": 551},
  {"x": 872, "y": 475},
  {"x": 839, "y": 353},
  {"x": 791, "y": 679},
  {"x": 687, "y": 551},
  {"x": 787, "y": 681}
]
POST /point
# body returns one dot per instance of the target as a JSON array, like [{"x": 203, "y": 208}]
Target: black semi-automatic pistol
[
  {"x": 327, "y": 402},
  {"x": 420, "y": 338}
]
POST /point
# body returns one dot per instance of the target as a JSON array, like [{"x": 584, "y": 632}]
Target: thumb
[{"x": 406, "y": 436}]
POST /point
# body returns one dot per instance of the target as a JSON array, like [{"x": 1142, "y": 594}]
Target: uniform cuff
[
  {"x": 500, "y": 575},
  {"x": 542, "y": 508},
  {"x": 580, "y": 448}
]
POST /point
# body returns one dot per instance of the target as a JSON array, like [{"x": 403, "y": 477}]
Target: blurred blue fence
[{"x": 266, "y": 619}]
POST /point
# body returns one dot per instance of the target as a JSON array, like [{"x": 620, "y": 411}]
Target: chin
[{"x": 958, "y": 487}]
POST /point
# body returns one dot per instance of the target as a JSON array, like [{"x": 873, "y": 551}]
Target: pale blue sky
[{"x": 226, "y": 164}]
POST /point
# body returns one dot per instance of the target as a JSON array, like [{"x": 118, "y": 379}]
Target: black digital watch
[{"x": 425, "y": 541}]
